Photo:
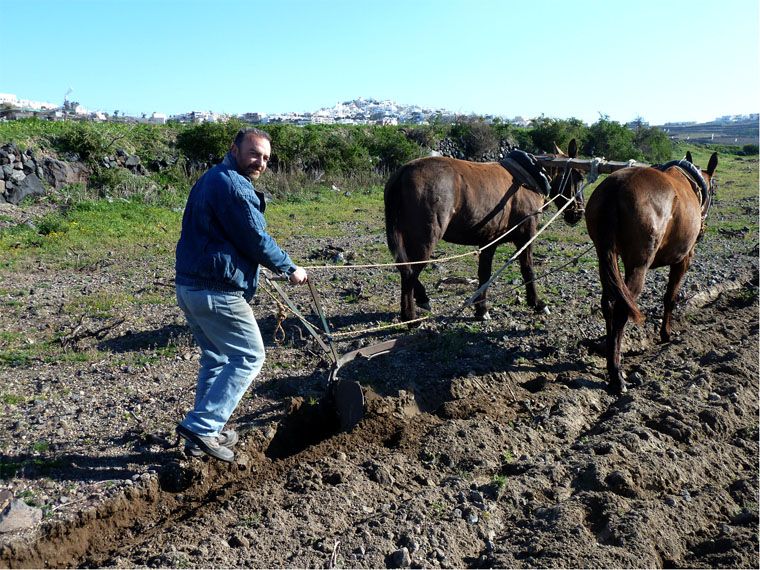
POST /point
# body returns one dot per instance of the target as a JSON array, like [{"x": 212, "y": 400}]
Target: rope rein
[
  {"x": 335, "y": 335},
  {"x": 474, "y": 253}
]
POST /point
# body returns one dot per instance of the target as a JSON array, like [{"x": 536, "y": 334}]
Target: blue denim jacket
[{"x": 224, "y": 237}]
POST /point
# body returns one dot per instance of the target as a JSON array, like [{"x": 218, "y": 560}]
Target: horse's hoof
[
  {"x": 484, "y": 317},
  {"x": 617, "y": 387}
]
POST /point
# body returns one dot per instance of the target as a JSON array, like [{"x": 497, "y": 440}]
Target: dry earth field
[{"x": 484, "y": 444}]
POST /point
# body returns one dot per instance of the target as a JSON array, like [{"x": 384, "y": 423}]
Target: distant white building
[{"x": 26, "y": 104}]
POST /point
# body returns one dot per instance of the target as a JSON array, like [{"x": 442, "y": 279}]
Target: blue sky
[{"x": 662, "y": 60}]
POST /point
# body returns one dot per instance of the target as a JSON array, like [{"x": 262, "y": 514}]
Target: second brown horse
[{"x": 648, "y": 217}]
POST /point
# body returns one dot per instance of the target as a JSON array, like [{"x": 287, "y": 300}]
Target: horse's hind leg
[
  {"x": 420, "y": 295},
  {"x": 408, "y": 279},
  {"x": 675, "y": 279},
  {"x": 413, "y": 293},
  {"x": 526, "y": 269},
  {"x": 616, "y": 314},
  {"x": 485, "y": 265},
  {"x": 616, "y": 317}
]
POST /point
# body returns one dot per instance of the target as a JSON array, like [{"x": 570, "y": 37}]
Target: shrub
[
  {"x": 654, "y": 144},
  {"x": 611, "y": 140},
  {"x": 84, "y": 139},
  {"x": 208, "y": 142},
  {"x": 425, "y": 136},
  {"x": 390, "y": 147},
  {"x": 288, "y": 143},
  {"x": 474, "y": 136},
  {"x": 545, "y": 132}
]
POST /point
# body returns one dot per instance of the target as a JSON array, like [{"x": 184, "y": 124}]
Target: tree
[
  {"x": 654, "y": 144},
  {"x": 475, "y": 137},
  {"x": 546, "y": 132},
  {"x": 208, "y": 141},
  {"x": 611, "y": 140}
]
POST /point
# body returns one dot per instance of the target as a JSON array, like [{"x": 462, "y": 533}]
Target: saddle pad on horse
[
  {"x": 692, "y": 173},
  {"x": 525, "y": 169}
]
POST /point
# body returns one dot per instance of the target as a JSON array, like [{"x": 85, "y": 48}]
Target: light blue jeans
[{"x": 232, "y": 354}]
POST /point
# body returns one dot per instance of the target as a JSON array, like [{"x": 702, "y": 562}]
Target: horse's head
[
  {"x": 708, "y": 176},
  {"x": 567, "y": 185},
  {"x": 711, "y": 166}
]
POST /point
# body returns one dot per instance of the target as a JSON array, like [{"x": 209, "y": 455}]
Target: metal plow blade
[{"x": 348, "y": 395}]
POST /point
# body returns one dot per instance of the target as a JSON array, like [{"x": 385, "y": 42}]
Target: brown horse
[
  {"x": 648, "y": 217},
  {"x": 469, "y": 203}
]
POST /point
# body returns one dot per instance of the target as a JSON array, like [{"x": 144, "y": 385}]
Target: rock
[
  {"x": 401, "y": 558},
  {"x": 378, "y": 473},
  {"x": 58, "y": 173},
  {"x": 19, "y": 516},
  {"x": 5, "y": 499},
  {"x": 28, "y": 186},
  {"x": 239, "y": 541}
]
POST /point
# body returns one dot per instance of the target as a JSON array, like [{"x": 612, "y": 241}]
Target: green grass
[
  {"x": 325, "y": 213},
  {"x": 10, "y": 399},
  {"x": 98, "y": 305},
  {"x": 91, "y": 232}
]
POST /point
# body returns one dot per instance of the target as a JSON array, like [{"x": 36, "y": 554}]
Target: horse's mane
[{"x": 525, "y": 168}]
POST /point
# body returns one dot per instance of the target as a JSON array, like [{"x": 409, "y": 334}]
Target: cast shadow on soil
[
  {"x": 427, "y": 366},
  {"x": 145, "y": 340},
  {"x": 79, "y": 467},
  {"x": 291, "y": 333}
]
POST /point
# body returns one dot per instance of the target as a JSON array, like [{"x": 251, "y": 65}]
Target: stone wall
[{"x": 23, "y": 173}]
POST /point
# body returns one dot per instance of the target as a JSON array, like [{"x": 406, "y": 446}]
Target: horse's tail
[
  {"x": 609, "y": 272},
  {"x": 393, "y": 234}
]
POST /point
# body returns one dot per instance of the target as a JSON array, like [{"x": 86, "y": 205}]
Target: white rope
[
  {"x": 474, "y": 253},
  {"x": 487, "y": 284},
  {"x": 593, "y": 172}
]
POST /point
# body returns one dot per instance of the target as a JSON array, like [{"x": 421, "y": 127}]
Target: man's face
[{"x": 252, "y": 156}]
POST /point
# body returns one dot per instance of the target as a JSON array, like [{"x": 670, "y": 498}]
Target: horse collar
[{"x": 525, "y": 168}]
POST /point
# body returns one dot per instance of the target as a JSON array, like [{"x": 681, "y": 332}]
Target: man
[{"x": 222, "y": 244}]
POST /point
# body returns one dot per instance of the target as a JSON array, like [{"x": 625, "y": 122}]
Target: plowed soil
[{"x": 488, "y": 444}]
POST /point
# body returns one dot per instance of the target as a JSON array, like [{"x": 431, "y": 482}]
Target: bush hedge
[{"x": 340, "y": 150}]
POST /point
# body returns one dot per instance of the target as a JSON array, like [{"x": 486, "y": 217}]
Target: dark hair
[{"x": 242, "y": 133}]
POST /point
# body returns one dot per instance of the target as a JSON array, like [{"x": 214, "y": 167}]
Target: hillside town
[{"x": 356, "y": 112}]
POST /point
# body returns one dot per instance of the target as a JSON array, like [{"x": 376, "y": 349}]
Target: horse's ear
[
  {"x": 557, "y": 150},
  {"x": 688, "y": 157},
  {"x": 572, "y": 149},
  {"x": 713, "y": 164}
]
